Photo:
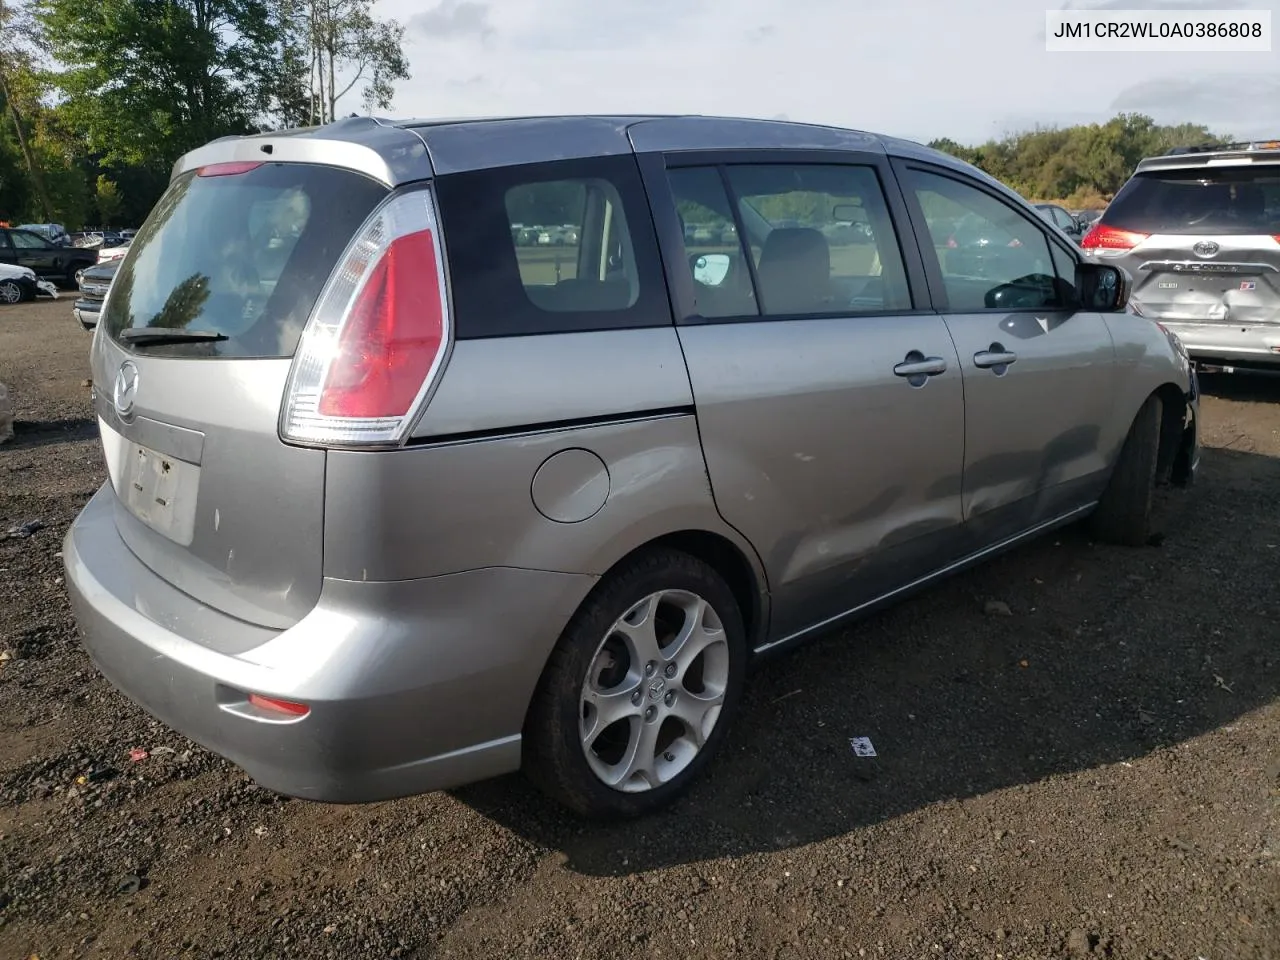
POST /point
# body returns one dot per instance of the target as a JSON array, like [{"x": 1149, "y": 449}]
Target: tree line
[
  {"x": 98, "y": 98},
  {"x": 1080, "y": 166}
]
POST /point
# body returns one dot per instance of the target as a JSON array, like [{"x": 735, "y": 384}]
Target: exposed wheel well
[
  {"x": 724, "y": 556},
  {"x": 1172, "y": 428}
]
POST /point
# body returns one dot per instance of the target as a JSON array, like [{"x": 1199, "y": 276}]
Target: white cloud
[{"x": 915, "y": 68}]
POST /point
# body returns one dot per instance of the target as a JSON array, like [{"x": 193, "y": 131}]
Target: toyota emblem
[
  {"x": 1206, "y": 248},
  {"x": 125, "y": 391}
]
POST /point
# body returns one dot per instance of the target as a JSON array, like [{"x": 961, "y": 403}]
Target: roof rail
[{"x": 1241, "y": 146}]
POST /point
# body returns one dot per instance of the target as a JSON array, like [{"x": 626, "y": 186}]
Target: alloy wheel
[{"x": 654, "y": 691}]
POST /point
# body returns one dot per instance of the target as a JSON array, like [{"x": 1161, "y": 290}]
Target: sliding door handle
[{"x": 994, "y": 356}]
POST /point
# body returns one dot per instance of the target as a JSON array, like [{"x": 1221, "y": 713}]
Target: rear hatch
[
  {"x": 193, "y": 354},
  {"x": 1202, "y": 244}
]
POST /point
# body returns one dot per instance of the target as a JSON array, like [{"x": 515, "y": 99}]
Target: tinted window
[
  {"x": 713, "y": 250},
  {"x": 25, "y": 240},
  {"x": 1199, "y": 201},
  {"x": 550, "y": 248},
  {"x": 983, "y": 244},
  {"x": 244, "y": 256},
  {"x": 821, "y": 239},
  {"x": 573, "y": 247}
]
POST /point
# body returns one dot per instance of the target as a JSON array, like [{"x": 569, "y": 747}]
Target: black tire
[
  {"x": 554, "y": 758},
  {"x": 1125, "y": 512}
]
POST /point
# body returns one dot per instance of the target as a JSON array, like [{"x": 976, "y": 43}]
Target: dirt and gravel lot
[{"x": 1095, "y": 774}]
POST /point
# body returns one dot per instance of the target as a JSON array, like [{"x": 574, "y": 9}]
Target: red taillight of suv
[
  {"x": 378, "y": 336},
  {"x": 1102, "y": 237}
]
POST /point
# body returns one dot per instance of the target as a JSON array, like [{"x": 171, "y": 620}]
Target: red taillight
[
  {"x": 392, "y": 337},
  {"x": 1111, "y": 238},
  {"x": 230, "y": 169},
  {"x": 378, "y": 336},
  {"x": 275, "y": 705}
]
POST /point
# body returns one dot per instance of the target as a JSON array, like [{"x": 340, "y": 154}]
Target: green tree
[
  {"x": 1089, "y": 160},
  {"x": 108, "y": 200},
  {"x": 20, "y": 89},
  {"x": 346, "y": 46},
  {"x": 146, "y": 80}
]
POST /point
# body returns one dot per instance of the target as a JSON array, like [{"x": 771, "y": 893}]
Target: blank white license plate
[{"x": 157, "y": 489}]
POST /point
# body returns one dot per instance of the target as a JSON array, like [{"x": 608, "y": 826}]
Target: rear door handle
[{"x": 995, "y": 356}]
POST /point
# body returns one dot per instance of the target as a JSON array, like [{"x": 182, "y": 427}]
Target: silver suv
[
  {"x": 1199, "y": 231},
  {"x": 397, "y": 502}
]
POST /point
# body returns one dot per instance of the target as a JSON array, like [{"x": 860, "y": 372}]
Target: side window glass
[
  {"x": 821, "y": 239},
  {"x": 24, "y": 240},
  {"x": 573, "y": 247},
  {"x": 991, "y": 256},
  {"x": 712, "y": 248},
  {"x": 565, "y": 246}
]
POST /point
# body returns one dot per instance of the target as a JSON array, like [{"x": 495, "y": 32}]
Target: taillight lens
[
  {"x": 378, "y": 335},
  {"x": 1111, "y": 238}
]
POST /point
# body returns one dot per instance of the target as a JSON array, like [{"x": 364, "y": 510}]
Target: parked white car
[
  {"x": 21, "y": 283},
  {"x": 107, "y": 254}
]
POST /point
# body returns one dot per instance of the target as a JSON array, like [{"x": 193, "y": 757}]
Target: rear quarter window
[
  {"x": 551, "y": 248},
  {"x": 243, "y": 257}
]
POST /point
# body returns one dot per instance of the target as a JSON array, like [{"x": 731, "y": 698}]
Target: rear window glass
[
  {"x": 242, "y": 256},
  {"x": 1199, "y": 201}
]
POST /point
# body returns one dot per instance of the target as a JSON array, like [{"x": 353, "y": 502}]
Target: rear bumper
[
  {"x": 413, "y": 686},
  {"x": 86, "y": 312},
  {"x": 1241, "y": 345}
]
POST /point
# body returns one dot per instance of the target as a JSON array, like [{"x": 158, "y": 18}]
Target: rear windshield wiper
[{"x": 144, "y": 336}]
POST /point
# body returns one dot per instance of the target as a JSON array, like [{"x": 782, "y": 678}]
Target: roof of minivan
[{"x": 397, "y": 151}]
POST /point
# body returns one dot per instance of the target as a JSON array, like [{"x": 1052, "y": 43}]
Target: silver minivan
[{"x": 397, "y": 503}]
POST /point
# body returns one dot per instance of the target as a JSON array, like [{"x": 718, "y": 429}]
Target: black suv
[{"x": 26, "y": 248}]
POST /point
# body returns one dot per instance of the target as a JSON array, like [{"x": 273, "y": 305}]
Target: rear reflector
[
  {"x": 229, "y": 169},
  {"x": 378, "y": 336},
  {"x": 1111, "y": 238},
  {"x": 272, "y": 705}
]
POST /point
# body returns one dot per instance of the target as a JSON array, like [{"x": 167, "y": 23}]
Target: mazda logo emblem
[
  {"x": 1205, "y": 248},
  {"x": 125, "y": 391}
]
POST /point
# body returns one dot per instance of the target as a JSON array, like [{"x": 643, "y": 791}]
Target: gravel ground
[{"x": 1096, "y": 773}]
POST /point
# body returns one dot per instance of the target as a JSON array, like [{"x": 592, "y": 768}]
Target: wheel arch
[
  {"x": 745, "y": 577},
  {"x": 1173, "y": 426}
]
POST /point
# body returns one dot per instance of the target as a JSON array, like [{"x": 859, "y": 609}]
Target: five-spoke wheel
[
  {"x": 654, "y": 690},
  {"x": 637, "y": 694}
]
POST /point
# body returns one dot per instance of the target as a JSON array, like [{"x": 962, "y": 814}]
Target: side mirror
[
  {"x": 1102, "y": 287},
  {"x": 710, "y": 269}
]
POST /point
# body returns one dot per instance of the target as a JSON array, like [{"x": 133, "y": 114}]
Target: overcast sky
[{"x": 965, "y": 69}]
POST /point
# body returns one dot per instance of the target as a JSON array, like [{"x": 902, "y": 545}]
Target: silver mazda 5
[{"x": 439, "y": 450}]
